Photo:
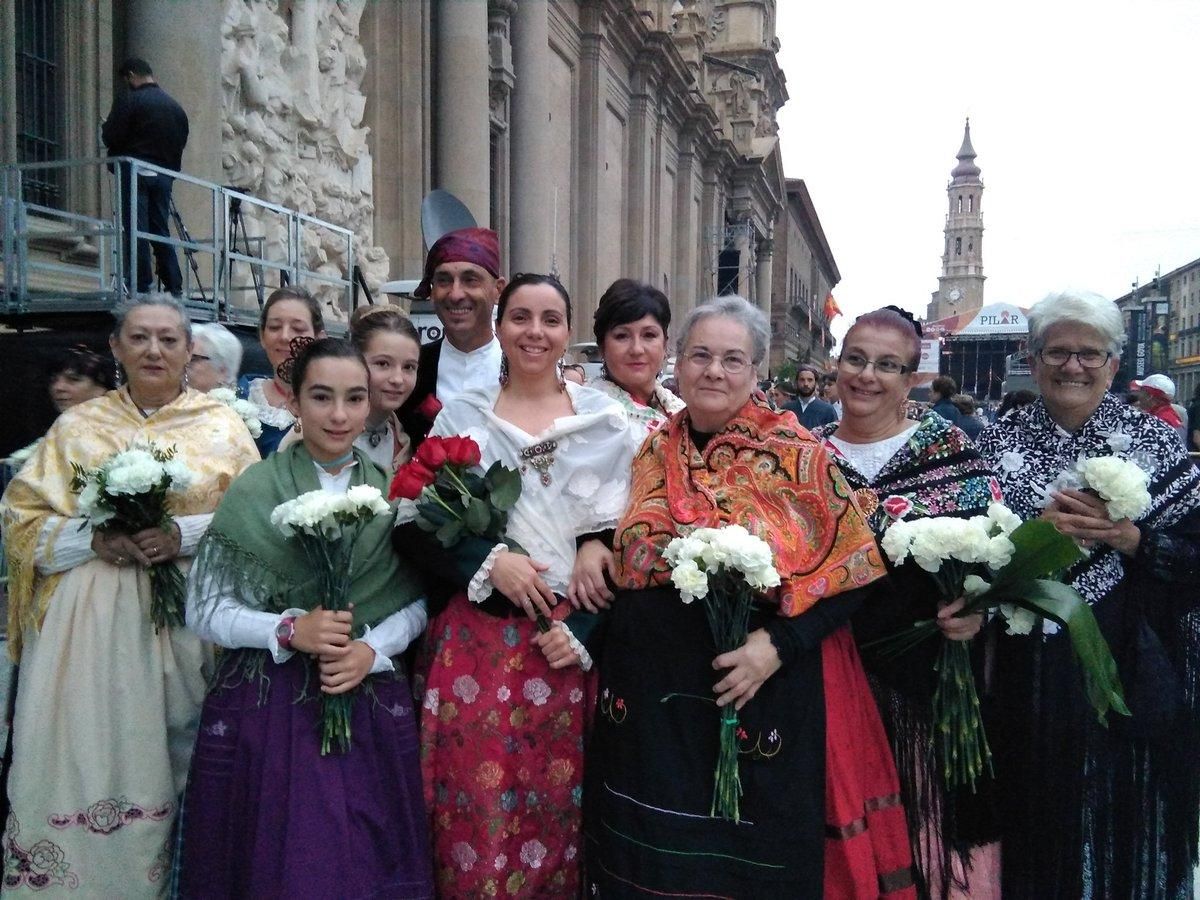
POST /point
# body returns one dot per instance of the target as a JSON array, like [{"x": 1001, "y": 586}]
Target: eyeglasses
[
  {"x": 733, "y": 364},
  {"x": 855, "y": 363},
  {"x": 1060, "y": 356}
]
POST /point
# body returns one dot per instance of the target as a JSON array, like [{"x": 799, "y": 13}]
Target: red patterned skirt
[{"x": 501, "y": 758}]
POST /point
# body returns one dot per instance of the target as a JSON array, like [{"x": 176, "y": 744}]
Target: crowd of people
[{"x": 538, "y": 716}]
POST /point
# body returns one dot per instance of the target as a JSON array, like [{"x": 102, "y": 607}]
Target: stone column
[
  {"x": 461, "y": 106},
  {"x": 531, "y": 194},
  {"x": 182, "y": 44},
  {"x": 591, "y": 107},
  {"x": 762, "y": 275}
]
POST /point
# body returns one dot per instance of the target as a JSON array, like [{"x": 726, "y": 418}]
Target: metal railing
[{"x": 58, "y": 260}]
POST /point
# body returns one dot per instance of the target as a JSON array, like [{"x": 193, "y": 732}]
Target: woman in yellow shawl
[{"x": 106, "y": 706}]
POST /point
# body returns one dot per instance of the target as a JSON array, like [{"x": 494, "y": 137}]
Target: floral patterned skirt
[{"x": 502, "y": 758}]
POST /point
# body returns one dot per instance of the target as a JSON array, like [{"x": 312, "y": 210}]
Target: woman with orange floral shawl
[{"x": 820, "y": 811}]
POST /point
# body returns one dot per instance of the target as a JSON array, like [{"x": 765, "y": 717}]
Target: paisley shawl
[{"x": 762, "y": 472}]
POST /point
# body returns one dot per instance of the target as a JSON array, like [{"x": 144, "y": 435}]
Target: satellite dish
[{"x": 441, "y": 213}]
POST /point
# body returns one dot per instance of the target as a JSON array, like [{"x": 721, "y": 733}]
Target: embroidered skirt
[
  {"x": 653, "y": 753},
  {"x": 265, "y": 815},
  {"x": 105, "y": 722}
]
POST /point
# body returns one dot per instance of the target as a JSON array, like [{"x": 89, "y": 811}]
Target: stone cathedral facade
[{"x": 600, "y": 138}]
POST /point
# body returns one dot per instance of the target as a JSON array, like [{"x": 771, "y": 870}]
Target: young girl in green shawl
[{"x": 266, "y": 814}]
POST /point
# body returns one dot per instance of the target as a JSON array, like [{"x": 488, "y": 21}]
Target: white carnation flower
[
  {"x": 973, "y": 586},
  {"x": 1018, "y": 619},
  {"x": 367, "y": 500},
  {"x": 181, "y": 476},
  {"x": 1004, "y": 517},
  {"x": 223, "y": 395},
  {"x": 690, "y": 580},
  {"x": 999, "y": 552},
  {"x": 897, "y": 540},
  {"x": 1121, "y": 483}
]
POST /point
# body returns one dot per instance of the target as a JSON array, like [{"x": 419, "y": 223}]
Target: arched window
[
  {"x": 960, "y": 202},
  {"x": 958, "y": 246},
  {"x": 970, "y": 202},
  {"x": 970, "y": 246}
]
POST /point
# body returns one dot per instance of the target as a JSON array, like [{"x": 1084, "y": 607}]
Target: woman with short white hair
[
  {"x": 1089, "y": 810},
  {"x": 216, "y": 357}
]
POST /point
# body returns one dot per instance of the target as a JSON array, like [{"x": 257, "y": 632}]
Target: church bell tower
[{"x": 960, "y": 286}]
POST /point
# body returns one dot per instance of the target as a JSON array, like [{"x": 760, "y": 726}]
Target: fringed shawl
[
  {"x": 936, "y": 473},
  {"x": 209, "y": 437},
  {"x": 762, "y": 472},
  {"x": 243, "y": 555}
]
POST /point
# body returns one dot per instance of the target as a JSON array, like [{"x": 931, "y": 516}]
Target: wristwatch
[{"x": 285, "y": 631}]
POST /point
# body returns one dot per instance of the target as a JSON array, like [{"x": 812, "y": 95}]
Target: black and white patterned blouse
[{"x": 1028, "y": 451}]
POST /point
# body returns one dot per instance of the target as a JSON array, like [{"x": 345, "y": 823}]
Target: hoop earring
[{"x": 503, "y": 370}]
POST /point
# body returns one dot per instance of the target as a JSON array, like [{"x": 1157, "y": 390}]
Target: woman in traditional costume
[
  {"x": 107, "y": 704},
  {"x": 1088, "y": 810},
  {"x": 266, "y": 815},
  {"x": 391, "y": 345},
  {"x": 289, "y": 313},
  {"x": 906, "y": 469},
  {"x": 505, "y": 705},
  {"x": 631, "y": 325},
  {"x": 820, "y": 814}
]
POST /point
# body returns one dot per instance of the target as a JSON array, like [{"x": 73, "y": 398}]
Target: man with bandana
[{"x": 462, "y": 280}]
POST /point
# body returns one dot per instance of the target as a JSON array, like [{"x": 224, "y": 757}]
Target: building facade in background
[
  {"x": 600, "y": 138},
  {"x": 805, "y": 274},
  {"x": 1162, "y": 319}
]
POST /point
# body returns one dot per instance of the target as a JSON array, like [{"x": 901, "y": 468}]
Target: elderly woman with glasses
[
  {"x": 216, "y": 357},
  {"x": 1091, "y": 811},
  {"x": 819, "y": 810},
  {"x": 905, "y": 469},
  {"x": 108, "y": 701}
]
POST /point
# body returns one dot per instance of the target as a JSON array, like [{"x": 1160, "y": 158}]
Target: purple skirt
[{"x": 265, "y": 815}]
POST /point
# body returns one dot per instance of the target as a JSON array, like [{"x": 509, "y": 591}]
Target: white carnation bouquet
[
  {"x": 725, "y": 567},
  {"x": 326, "y": 525},
  {"x": 244, "y": 408},
  {"x": 1122, "y": 484},
  {"x": 997, "y": 563},
  {"x": 130, "y": 492}
]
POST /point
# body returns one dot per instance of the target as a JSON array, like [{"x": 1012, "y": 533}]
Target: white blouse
[{"x": 227, "y": 620}]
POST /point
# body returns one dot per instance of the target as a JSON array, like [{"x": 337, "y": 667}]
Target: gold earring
[{"x": 299, "y": 426}]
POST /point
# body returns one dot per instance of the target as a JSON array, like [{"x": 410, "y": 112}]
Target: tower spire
[{"x": 966, "y": 167}]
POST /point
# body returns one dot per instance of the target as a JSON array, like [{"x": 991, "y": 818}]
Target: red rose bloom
[
  {"x": 432, "y": 452},
  {"x": 430, "y": 407},
  {"x": 410, "y": 480},
  {"x": 462, "y": 451},
  {"x": 897, "y": 507}
]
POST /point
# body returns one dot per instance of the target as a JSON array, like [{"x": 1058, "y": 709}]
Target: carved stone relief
[{"x": 293, "y": 107}]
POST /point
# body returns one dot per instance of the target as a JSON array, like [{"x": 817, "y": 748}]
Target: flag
[{"x": 831, "y": 308}]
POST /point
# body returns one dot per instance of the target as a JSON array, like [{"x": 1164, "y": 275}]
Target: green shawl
[{"x": 243, "y": 555}]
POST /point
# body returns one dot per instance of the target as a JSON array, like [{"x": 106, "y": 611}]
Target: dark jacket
[
  {"x": 948, "y": 411},
  {"x": 415, "y": 425},
  {"x": 817, "y": 413},
  {"x": 147, "y": 124}
]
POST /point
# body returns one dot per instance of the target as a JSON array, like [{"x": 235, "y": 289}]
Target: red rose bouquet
[{"x": 455, "y": 498}]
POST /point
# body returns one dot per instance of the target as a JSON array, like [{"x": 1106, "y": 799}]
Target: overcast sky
[{"x": 1084, "y": 117}]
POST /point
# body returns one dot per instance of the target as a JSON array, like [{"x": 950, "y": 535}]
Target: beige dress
[{"x": 106, "y": 709}]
